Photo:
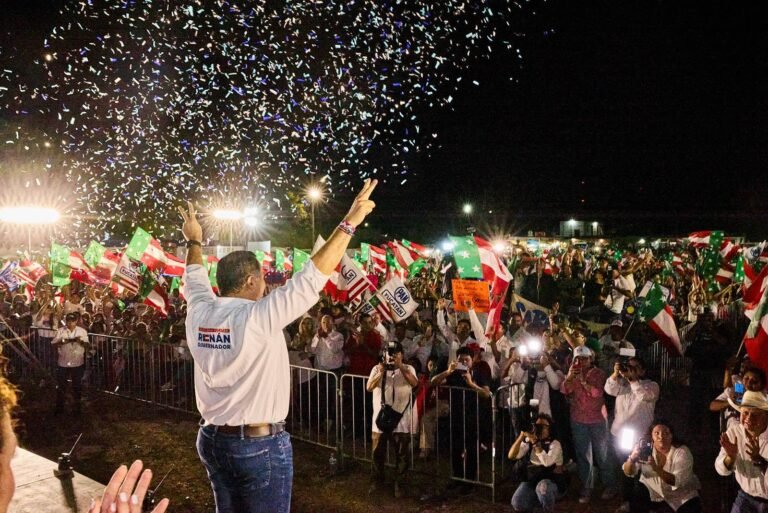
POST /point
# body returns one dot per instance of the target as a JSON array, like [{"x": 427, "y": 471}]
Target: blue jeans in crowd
[
  {"x": 528, "y": 498},
  {"x": 589, "y": 440},
  {"x": 248, "y": 475},
  {"x": 746, "y": 504}
]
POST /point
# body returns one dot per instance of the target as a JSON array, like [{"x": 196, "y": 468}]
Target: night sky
[{"x": 649, "y": 117}]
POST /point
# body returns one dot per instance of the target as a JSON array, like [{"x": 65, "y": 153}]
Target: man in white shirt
[
  {"x": 635, "y": 404},
  {"x": 457, "y": 339},
  {"x": 328, "y": 348},
  {"x": 621, "y": 290},
  {"x": 71, "y": 342},
  {"x": 398, "y": 380},
  {"x": 743, "y": 451},
  {"x": 242, "y": 375}
]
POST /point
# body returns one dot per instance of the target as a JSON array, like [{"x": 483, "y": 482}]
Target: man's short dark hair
[
  {"x": 465, "y": 321},
  {"x": 234, "y": 269},
  {"x": 464, "y": 351}
]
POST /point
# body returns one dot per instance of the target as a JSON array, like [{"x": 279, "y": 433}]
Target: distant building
[{"x": 575, "y": 228}]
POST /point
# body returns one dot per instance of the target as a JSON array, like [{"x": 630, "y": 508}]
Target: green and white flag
[
  {"x": 467, "y": 258},
  {"x": 299, "y": 259},
  {"x": 656, "y": 313}
]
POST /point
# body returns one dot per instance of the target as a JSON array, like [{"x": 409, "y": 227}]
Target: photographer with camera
[
  {"x": 584, "y": 387},
  {"x": 71, "y": 342},
  {"x": 666, "y": 474},
  {"x": 744, "y": 452},
  {"x": 391, "y": 382},
  {"x": 546, "y": 480},
  {"x": 635, "y": 404}
]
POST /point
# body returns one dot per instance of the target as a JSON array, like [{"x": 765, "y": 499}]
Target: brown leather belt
[{"x": 251, "y": 430}]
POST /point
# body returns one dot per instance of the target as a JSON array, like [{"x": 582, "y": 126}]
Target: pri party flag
[
  {"x": 147, "y": 250},
  {"x": 103, "y": 262},
  {"x": 658, "y": 315},
  {"x": 756, "y": 338}
]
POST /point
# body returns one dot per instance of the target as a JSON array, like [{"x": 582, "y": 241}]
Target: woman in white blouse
[
  {"x": 665, "y": 476},
  {"x": 546, "y": 480}
]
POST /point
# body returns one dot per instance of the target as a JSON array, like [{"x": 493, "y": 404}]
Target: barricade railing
[{"x": 314, "y": 413}]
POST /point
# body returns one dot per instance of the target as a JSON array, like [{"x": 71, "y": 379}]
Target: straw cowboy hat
[{"x": 751, "y": 399}]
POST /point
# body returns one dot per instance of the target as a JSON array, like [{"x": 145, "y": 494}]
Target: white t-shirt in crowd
[
  {"x": 329, "y": 350},
  {"x": 71, "y": 354},
  {"x": 615, "y": 300},
  {"x": 242, "y": 374},
  {"x": 402, "y": 399}
]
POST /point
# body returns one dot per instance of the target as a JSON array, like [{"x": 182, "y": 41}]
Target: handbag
[{"x": 388, "y": 418}]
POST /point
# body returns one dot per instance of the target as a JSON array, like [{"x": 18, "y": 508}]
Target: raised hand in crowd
[{"x": 126, "y": 490}]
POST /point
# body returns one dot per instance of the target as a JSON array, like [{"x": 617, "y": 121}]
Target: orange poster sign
[{"x": 474, "y": 291}]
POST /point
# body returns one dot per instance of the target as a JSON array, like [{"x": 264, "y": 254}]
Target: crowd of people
[{"x": 574, "y": 385}]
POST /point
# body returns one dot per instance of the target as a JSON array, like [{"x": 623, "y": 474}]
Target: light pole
[
  {"x": 29, "y": 216},
  {"x": 315, "y": 194}
]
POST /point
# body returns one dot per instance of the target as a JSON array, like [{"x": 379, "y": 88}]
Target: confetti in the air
[{"x": 153, "y": 102}]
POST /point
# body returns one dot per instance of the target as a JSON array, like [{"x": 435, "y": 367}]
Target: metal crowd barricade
[
  {"x": 314, "y": 413},
  {"x": 356, "y": 409},
  {"x": 472, "y": 441}
]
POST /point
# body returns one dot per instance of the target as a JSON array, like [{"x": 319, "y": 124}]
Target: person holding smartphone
[{"x": 666, "y": 473}]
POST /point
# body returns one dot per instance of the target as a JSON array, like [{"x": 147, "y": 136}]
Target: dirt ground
[{"x": 117, "y": 430}]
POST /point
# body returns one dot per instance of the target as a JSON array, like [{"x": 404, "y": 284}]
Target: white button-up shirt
[
  {"x": 750, "y": 478},
  {"x": 680, "y": 464},
  {"x": 635, "y": 403},
  {"x": 329, "y": 351},
  {"x": 242, "y": 375},
  {"x": 71, "y": 354}
]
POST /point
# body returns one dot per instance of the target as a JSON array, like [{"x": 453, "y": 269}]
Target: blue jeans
[
  {"x": 592, "y": 440},
  {"x": 527, "y": 497},
  {"x": 746, "y": 504},
  {"x": 248, "y": 475}
]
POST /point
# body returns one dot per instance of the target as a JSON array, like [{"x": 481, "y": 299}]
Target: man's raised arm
[{"x": 328, "y": 257}]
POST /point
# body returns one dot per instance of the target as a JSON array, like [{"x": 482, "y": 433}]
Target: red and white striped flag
[
  {"x": 29, "y": 272},
  {"x": 728, "y": 250},
  {"x": 756, "y": 337},
  {"x": 174, "y": 266},
  {"x": 699, "y": 239},
  {"x": 352, "y": 279},
  {"x": 378, "y": 259},
  {"x": 724, "y": 275},
  {"x": 754, "y": 283},
  {"x": 127, "y": 275}
]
